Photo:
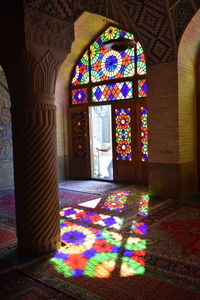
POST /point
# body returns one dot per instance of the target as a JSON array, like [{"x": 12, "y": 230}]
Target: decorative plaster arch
[{"x": 187, "y": 55}]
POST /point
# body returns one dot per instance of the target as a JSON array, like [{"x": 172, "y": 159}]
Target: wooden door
[{"x": 79, "y": 163}]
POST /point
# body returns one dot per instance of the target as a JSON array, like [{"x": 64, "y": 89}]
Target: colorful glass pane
[
  {"x": 81, "y": 73},
  {"x": 142, "y": 88},
  {"x": 108, "y": 64},
  {"x": 92, "y": 217},
  {"x": 123, "y": 134},
  {"x": 141, "y": 61},
  {"x": 144, "y": 134},
  {"x": 144, "y": 205},
  {"x": 114, "y": 91},
  {"x": 86, "y": 251},
  {"x": 133, "y": 262},
  {"x": 79, "y": 96},
  {"x": 79, "y": 140},
  {"x": 116, "y": 201}
]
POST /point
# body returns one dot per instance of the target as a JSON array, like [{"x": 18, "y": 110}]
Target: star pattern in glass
[
  {"x": 144, "y": 134},
  {"x": 123, "y": 134}
]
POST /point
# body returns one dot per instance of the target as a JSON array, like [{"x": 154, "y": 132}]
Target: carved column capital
[
  {"x": 47, "y": 33},
  {"x": 31, "y": 57}
]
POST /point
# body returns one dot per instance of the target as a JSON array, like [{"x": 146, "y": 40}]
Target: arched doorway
[{"x": 108, "y": 110}]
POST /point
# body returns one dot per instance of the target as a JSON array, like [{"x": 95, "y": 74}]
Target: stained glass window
[
  {"x": 144, "y": 134},
  {"x": 142, "y": 88},
  {"x": 123, "y": 134},
  {"x": 108, "y": 64},
  {"x": 81, "y": 73},
  {"x": 79, "y": 96},
  {"x": 113, "y": 91},
  {"x": 104, "y": 76},
  {"x": 141, "y": 61}
]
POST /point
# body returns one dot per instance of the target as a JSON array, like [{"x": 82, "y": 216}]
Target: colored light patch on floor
[
  {"x": 143, "y": 209},
  {"x": 92, "y": 217},
  {"x": 86, "y": 251},
  {"x": 116, "y": 201},
  {"x": 133, "y": 262},
  {"x": 138, "y": 228},
  {"x": 91, "y": 203}
]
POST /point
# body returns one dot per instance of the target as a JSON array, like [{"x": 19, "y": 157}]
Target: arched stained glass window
[{"x": 118, "y": 78}]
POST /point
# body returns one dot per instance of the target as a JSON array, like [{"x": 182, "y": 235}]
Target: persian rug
[
  {"x": 7, "y": 237},
  {"x": 90, "y": 186},
  {"x": 74, "y": 198},
  {"x": 173, "y": 246},
  {"x": 15, "y": 285},
  {"x": 115, "y": 287},
  {"x": 7, "y": 203}
]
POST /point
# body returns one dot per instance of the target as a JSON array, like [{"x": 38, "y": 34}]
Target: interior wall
[
  {"x": 86, "y": 29},
  {"x": 187, "y": 53},
  {"x": 164, "y": 169},
  {"x": 6, "y": 163}
]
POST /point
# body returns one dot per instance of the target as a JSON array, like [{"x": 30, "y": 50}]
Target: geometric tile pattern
[
  {"x": 115, "y": 91},
  {"x": 181, "y": 14},
  {"x": 150, "y": 17},
  {"x": 115, "y": 201},
  {"x": 92, "y": 217}
]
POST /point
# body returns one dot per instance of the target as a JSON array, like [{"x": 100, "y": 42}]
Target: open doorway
[{"x": 100, "y": 124}]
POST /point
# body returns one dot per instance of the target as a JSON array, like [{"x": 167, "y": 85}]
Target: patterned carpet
[
  {"x": 16, "y": 285},
  {"x": 7, "y": 237},
  {"x": 90, "y": 186},
  {"x": 128, "y": 247}
]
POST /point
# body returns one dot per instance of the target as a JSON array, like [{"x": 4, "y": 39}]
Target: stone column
[{"x": 31, "y": 67}]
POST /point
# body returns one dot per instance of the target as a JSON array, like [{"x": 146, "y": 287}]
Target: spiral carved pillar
[
  {"x": 31, "y": 66},
  {"x": 36, "y": 185}
]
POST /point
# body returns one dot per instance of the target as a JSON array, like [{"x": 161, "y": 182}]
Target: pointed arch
[{"x": 104, "y": 76}]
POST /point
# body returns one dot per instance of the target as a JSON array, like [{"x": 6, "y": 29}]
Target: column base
[{"x": 37, "y": 248}]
